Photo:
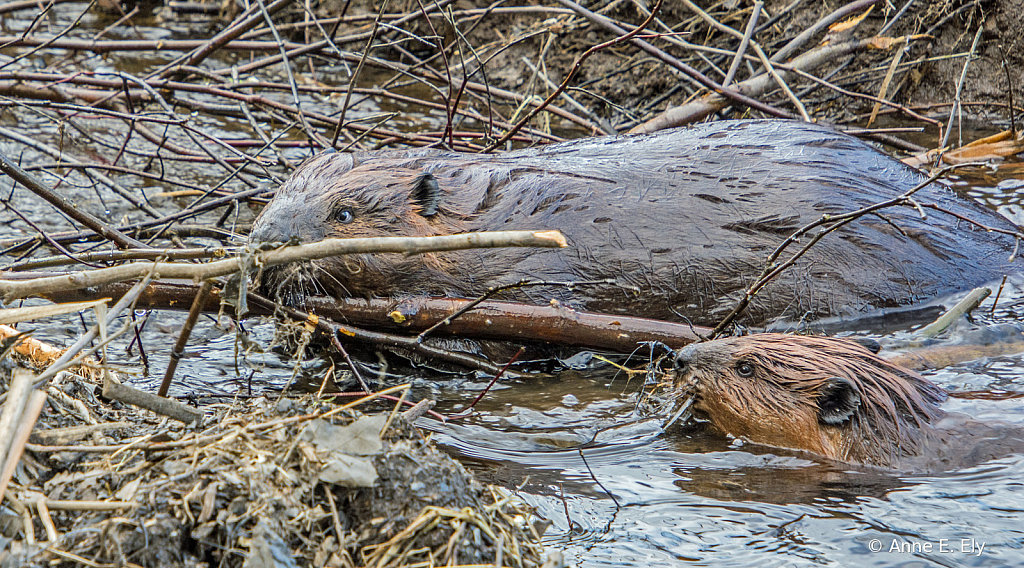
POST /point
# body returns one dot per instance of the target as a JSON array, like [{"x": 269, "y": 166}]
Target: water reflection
[{"x": 678, "y": 501}]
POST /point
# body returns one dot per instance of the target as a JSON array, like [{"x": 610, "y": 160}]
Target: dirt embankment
[{"x": 530, "y": 49}]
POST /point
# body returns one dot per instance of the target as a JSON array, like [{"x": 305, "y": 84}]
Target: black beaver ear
[
  {"x": 426, "y": 193},
  {"x": 838, "y": 400}
]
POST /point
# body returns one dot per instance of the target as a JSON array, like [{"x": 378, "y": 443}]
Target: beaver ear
[
  {"x": 838, "y": 400},
  {"x": 426, "y": 193}
]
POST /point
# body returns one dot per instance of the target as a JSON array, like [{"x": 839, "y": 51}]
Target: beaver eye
[
  {"x": 344, "y": 216},
  {"x": 745, "y": 369}
]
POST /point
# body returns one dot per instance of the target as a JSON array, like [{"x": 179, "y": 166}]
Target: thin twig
[
  {"x": 65, "y": 206},
  {"x": 742, "y": 49},
  {"x": 186, "y": 331},
  {"x": 572, "y": 74},
  {"x": 955, "y": 109}
]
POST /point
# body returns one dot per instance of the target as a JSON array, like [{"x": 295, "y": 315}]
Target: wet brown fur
[
  {"x": 778, "y": 405},
  {"x": 380, "y": 200},
  {"x": 677, "y": 224}
]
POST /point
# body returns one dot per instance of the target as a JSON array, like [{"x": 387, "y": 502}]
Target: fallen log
[{"x": 496, "y": 320}]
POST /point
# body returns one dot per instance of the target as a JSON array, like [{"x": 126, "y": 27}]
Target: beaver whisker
[
  {"x": 290, "y": 285},
  {"x": 293, "y": 284},
  {"x": 337, "y": 286}
]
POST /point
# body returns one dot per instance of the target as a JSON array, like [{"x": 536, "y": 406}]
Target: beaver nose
[
  {"x": 265, "y": 232},
  {"x": 683, "y": 358},
  {"x": 268, "y": 229}
]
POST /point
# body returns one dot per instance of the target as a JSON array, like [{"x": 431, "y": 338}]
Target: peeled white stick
[{"x": 27, "y": 422}]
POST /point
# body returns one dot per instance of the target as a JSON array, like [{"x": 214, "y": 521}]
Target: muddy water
[{"x": 618, "y": 490}]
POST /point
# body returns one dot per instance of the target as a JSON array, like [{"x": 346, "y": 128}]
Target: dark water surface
[
  {"x": 618, "y": 490},
  {"x": 685, "y": 496}
]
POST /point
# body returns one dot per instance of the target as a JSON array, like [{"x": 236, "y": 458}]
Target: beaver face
[
  {"x": 829, "y": 396},
  {"x": 331, "y": 196},
  {"x": 328, "y": 197}
]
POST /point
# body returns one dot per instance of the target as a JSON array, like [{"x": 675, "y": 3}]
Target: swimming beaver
[
  {"x": 835, "y": 398},
  {"x": 681, "y": 220}
]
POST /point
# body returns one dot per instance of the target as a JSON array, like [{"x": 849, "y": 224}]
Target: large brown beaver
[
  {"x": 835, "y": 398},
  {"x": 681, "y": 220}
]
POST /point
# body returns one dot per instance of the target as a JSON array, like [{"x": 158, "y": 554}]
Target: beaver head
[
  {"x": 332, "y": 195},
  {"x": 828, "y": 396}
]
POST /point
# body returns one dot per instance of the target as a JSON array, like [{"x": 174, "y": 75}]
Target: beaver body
[
  {"x": 681, "y": 221},
  {"x": 834, "y": 398}
]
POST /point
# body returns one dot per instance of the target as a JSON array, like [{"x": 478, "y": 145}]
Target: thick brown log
[{"x": 506, "y": 321}]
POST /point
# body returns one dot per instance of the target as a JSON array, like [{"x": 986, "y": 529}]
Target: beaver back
[{"x": 682, "y": 221}]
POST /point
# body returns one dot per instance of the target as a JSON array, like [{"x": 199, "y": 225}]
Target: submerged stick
[
  {"x": 963, "y": 307},
  {"x": 492, "y": 319},
  {"x": 186, "y": 331}
]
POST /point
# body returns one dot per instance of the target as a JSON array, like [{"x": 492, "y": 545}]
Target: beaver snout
[
  {"x": 282, "y": 221},
  {"x": 702, "y": 359},
  {"x": 268, "y": 231},
  {"x": 683, "y": 359}
]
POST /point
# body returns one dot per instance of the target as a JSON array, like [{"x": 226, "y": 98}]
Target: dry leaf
[
  {"x": 841, "y": 31},
  {"x": 361, "y": 438},
  {"x": 127, "y": 492},
  {"x": 348, "y": 471},
  {"x": 849, "y": 23},
  {"x": 995, "y": 147}
]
